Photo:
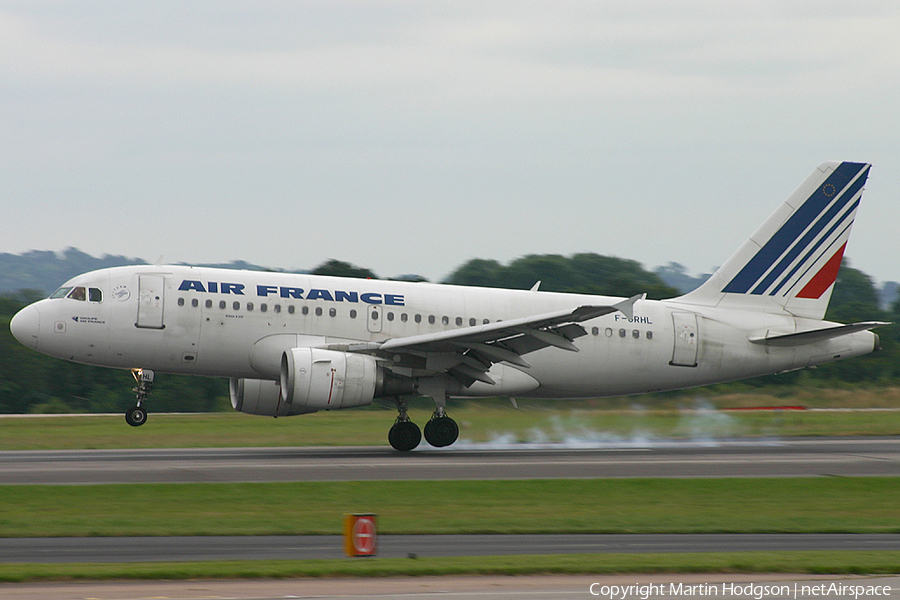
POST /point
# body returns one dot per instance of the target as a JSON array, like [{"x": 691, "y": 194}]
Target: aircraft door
[
  {"x": 374, "y": 316},
  {"x": 687, "y": 339},
  {"x": 151, "y": 300}
]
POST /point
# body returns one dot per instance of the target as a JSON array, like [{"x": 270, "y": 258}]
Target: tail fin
[{"x": 791, "y": 262}]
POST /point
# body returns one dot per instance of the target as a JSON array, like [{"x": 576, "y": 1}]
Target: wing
[{"x": 468, "y": 353}]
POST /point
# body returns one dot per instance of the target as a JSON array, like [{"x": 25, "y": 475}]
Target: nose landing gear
[{"x": 137, "y": 415}]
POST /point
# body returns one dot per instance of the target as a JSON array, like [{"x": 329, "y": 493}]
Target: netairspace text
[{"x": 740, "y": 590}]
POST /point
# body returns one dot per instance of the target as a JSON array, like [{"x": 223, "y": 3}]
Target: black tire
[
  {"x": 404, "y": 436},
  {"x": 136, "y": 416},
  {"x": 441, "y": 431}
]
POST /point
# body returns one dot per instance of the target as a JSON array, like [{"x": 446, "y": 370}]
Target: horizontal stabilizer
[{"x": 816, "y": 335}]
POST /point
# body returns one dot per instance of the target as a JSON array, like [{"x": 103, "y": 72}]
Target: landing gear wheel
[
  {"x": 404, "y": 436},
  {"x": 441, "y": 431},
  {"x": 136, "y": 416}
]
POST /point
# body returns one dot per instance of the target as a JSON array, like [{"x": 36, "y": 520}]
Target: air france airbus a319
[{"x": 293, "y": 344}]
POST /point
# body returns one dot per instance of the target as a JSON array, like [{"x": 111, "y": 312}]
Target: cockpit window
[
  {"x": 61, "y": 292},
  {"x": 80, "y": 293}
]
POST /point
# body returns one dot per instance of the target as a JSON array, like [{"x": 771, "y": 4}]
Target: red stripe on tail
[{"x": 824, "y": 278}]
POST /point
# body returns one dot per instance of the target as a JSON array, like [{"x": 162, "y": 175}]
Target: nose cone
[{"x": 25, "y": 326}]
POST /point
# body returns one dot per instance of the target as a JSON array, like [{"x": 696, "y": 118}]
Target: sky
[{"x": 410, "y": 137}]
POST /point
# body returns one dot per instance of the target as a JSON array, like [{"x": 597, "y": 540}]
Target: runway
[
  {"x": 617, "y": 587},
  {"x": 303, "y": 547},
  {"x": 807, "y": 457},
  {"x": 792, "y": 457}
]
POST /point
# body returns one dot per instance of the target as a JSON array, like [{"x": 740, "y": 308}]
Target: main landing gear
[
  {"x": 137, "y": 415},
  {"x": 405, "y": 435}
]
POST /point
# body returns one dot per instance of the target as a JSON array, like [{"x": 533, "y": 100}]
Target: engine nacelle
[
  {"x": 262, "y": 397},
  {"x": 314, "y": 378}
]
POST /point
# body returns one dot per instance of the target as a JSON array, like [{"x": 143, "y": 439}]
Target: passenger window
[
  {"x": 445, "y": 320},
  {"x": 431, "y": 319},
  {"x": 318, "y": 311},
  {"x": 236, "y": 305},
  {"x": 77, "y": 293},
  {"x": 95, "y": 295},
  {"x": 263, "y": 307},
  {"x": 595, "y": 330},
  {"x": 649, "y": 335},
  {"x": 249, "y": 306},
  {"x": 291, "y": 309},
  {"x": 352, "y": 313},
  {"x": 609, "y": 332},
  {"x": 636, "y": 334},
  {"x": 181, "y": 302},
  {"x": 458, "y": 321},
  {"x": 472, "y": 322},
  {"x": 332, "y": 312},
  {"x": 404, "y": 317},
  {"x": 209, "y": 304},
  {"x": 418, "y": 318},
  {"x": 195, "y": 303},
  {"x": 222, "y": 304},
  {"x": 390, "y": 316},
  {"x": 486, "y": 321},
  {"x": 622, "y": 333},
  {"x": 277, "y": 308},
  {"x": 305, "y": 310}
]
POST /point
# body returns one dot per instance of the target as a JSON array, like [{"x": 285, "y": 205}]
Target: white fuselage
[{"x": 237, "y": 324}]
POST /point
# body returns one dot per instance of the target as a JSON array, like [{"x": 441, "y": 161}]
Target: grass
[
  {"x": 862, "y": 505},
  {"x": 479, "y": 422},
  {"x": 830, "y": 562}
]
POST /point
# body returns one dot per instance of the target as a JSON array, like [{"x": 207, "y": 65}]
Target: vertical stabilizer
[{"x": 791, "y": 262}]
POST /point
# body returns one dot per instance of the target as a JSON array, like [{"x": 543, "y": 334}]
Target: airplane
[{"x": 292, "y": 344}]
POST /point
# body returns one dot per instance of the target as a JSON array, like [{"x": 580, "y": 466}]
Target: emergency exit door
[
  {"x": 374, "y": 317},
  {"x": 687, "y": 340},
  {"x": 151, "y": 301}
]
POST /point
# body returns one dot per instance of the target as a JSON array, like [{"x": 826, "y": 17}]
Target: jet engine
[
  {"x": 319, "y": 379},
  {"x": 262, "y": 397}
]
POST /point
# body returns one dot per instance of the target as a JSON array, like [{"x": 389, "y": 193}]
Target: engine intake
[{"x": 318, "y": 379}]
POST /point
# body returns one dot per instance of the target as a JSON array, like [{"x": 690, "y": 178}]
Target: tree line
[{"x": 31, "y": 382}]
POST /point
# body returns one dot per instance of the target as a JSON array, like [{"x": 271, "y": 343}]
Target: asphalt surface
[
  {"x": 705, "y": 458},
  {"x": 794, "y": 457},
  {"x": 636, "y": 586},
  {"x": 300, "y": 547}
]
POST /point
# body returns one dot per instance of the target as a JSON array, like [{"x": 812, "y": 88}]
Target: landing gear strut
[
  {"x": 137, "y": 415},
  {"x": 404, "y": 435},
  {"x": 441, "y": 430}
]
